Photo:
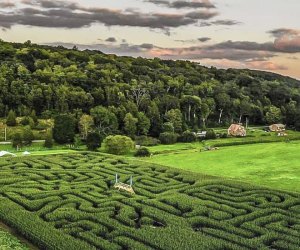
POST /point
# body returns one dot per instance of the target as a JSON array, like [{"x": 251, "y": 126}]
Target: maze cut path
[{"x": 68, "y": 202}]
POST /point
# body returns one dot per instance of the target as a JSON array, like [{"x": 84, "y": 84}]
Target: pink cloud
[{"x": 265, "y": 65}]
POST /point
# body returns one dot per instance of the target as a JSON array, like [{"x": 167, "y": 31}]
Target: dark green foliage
[
  {"x": 130, "y": 125},
  {"x": 54, "y": 80},
  {"x": 168, "y": 138},
  {"x": 143, "y": 124},
  {"x": 118, "y": 144},
  {"x": 210, "y": 134},
  {"x": 93, "y": 141},
  {"x": 27, "y": 120},
  {"x": 105, "y": 121},
  {"x": 168, "y": 127},
  {"x": 34, "y": 117},
  {"x": 142, "y": 152},
  {"x": 146, "y": 141},
  {"x": 48, "y": 140},
  {"x": 175, "y": 117},
  {"x": 77, "y": 141},
  {"x": 28, "y": 136},
  {"x": 225, "y": 135},
  {"x": 17, "y": 140},
  {"x": 64, "y": 128},
  {"x": 187, "y": 136},
  {"x": 11, "y": 118}
]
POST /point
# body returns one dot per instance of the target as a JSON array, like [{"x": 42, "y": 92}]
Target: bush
[
  {"x": 210, "y": 134},
  {"x": 223, "y": 135},
  {"x": 168, "y": 138},
  {"x": 34, "y": 117},
  {"x": 142, "y": 152},
  {"x": 118, "y": 144},
  {"x": 27, "y": 121},
  {"x": 28, "y": 136},
  {"x": 146, "y": 141},
  {"x": 17, "y": 140},
  {"x": 187, "y": 136},
  {"x": 93, "y": 141},
  {"x": 48, "y": 141},
  {"x": 11, "y": 118},
  {"x": 168, "y": 127}
]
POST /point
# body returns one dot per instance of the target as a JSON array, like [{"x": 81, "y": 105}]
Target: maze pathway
[{"x": 68, "y": 202}]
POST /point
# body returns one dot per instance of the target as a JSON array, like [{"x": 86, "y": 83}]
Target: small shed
[
  {"x": 5, "y": 153},
  {"x": 237, "y": 130},
  {"x": 277, "y": 127},
  {"x": 201, "y": 134}
]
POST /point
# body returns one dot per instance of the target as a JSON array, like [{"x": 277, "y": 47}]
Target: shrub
[
  {"x": 17, "y": 140},
  {"x": 142, "y": 152},
  {"x": 168, "y": 127},
  {"x": 188, "y": 136},
  {"x": 118, "y": 144},
  {"x": 27, "y": 121},
  {"x": 93, "y": 141},
  {"x": 11, "y": 118},
  {"x": 223, "y": 135},
  {"x": 146, "y": 141},
  {"x": 168, "y": 138},
  {"x": 28, "y": 136},
  {"x": 210, "y": 134},
  {"x": 48, "y": 141},
  {"x": 34, "y": 117}
]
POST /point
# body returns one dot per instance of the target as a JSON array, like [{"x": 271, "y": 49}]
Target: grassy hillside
[
  {"x": 275, "y": 165},
  {"x": 68, "y": 202}
]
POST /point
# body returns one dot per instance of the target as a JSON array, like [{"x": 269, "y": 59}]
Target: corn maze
[{"x": 68, "y": 202}]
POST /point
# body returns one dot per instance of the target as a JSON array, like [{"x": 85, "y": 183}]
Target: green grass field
[
  {"x": 69, "y": 202},
  {"x": 275, "y": 165}
]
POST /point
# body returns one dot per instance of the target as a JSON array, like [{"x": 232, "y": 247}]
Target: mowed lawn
[{"x": 276, "y": 165}]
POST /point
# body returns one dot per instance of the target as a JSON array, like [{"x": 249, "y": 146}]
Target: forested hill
[{"x": 53, "y": 80}]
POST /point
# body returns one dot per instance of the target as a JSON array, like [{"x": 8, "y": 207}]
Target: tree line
[{"x": 109, "y": 94}]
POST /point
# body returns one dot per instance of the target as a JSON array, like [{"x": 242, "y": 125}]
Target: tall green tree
[
  {"x": 93, "y": 141},
  {"x": 11, "y": 118},
  {"x": 143, "y": 124},
  {"x": 130, "y": 125},
  {"x": 48, "y": 140},
  {"x": 105, "y": 121},
  {"x": 64, "y": 128},
  {"x": 175, "y": 117},
  {"x": 28, "y": 136},
  {"x": 17, "y": 140},
  {"x": 86, "y": 123},
  {"x": 273, "y": 115}
]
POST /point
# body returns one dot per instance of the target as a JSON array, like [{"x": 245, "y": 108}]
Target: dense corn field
[{"x": 68, "y": 202}]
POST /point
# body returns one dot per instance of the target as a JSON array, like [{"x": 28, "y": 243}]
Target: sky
[{"x": 256, "y": 34}]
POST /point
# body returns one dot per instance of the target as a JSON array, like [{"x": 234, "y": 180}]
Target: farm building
[
  {"x": 277, "y": 127},
  {"x": 237, "y": 130}
]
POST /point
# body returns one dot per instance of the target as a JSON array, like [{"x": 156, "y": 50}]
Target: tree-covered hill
[{"x": 128, "y": 90}]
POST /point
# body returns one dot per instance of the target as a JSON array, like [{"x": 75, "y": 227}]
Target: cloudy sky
[{"x": 257, "y": 34}]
